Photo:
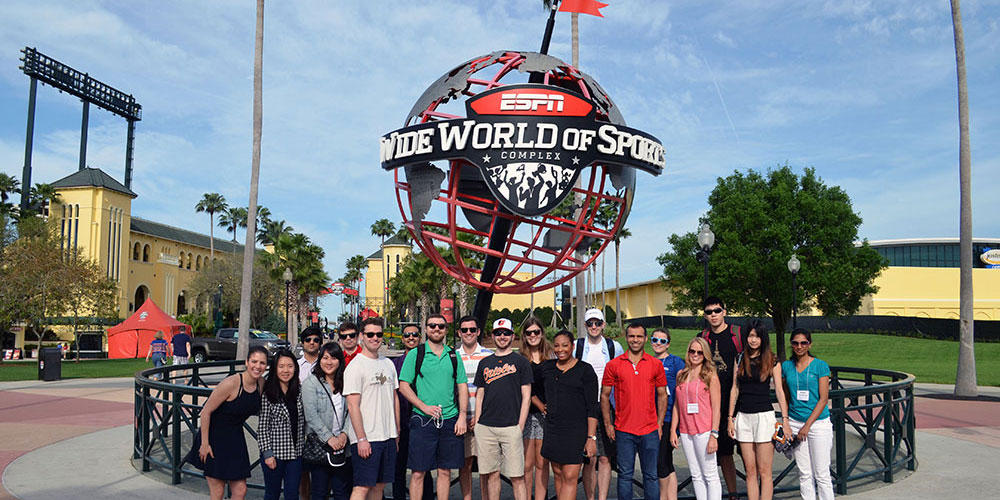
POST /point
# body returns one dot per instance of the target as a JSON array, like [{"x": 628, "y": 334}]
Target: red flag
[{"x": 582, "y": 6}]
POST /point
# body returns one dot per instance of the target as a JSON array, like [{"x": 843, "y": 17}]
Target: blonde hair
[
  {"x": 707, "y": 365},
  {"x": 159, "y": 334}
]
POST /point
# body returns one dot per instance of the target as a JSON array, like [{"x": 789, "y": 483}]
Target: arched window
[
  {"x": 181, "y": 306},
  {"x": 145, "y": 255},
  {"x": 135, "y": 252},
  {"x": 197, "y": 263},
  {"x": 189, "y": 261},
  {"x": 180, "y": 261},
  {"x": 141, "y": 294}
]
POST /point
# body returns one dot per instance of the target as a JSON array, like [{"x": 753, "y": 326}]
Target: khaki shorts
[
  {"x": 470, "y": 443},
  {"x": 500, "y": 449},
  {"x": 755, "y": 427}
]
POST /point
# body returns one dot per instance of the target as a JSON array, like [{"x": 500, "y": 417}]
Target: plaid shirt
[{"x": 274, "y": 431}]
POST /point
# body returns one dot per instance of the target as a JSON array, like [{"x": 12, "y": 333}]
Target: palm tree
[
  {"x": 263, "y": 215},
  {"x": 8, "y": 184},
  {"x": 383, "y": 228},
  {"x": 403, "y": 234},
  {"x": 211, "y": 203},
  {"x": 270, "y": 230},
  {"x": 619, "y": 236},
  {"x": 965, "y": 378},
  {"x": 233, "y": 218},
  {"x": 243, "y": 345},
  {"x": 354, "y": 267},
  {"x": 42, "y": 196}
]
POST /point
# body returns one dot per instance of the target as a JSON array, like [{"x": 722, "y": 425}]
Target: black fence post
[
  {"x": 144, "y": 428},
  {"x": 887, "y": 434},
  {"x": 175, "y": 438},
  {"x": 911, "y": 428},
  {"x": 840, "y": 443}
]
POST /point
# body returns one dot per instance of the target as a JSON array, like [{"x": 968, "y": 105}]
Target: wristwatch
[
  {"x": 715, "y": 433},
  {"x": 594, "y": 437}
]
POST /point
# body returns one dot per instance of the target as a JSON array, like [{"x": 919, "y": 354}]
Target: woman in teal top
[{"x": 808, "y": 382}]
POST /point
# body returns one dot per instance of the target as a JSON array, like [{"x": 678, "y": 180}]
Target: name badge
[
  {"x": 802, "y": 395},
  {"x": 692, "y": 408}
]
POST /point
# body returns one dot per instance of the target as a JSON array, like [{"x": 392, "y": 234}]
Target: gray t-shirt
[{"x": 375, "y": 380}]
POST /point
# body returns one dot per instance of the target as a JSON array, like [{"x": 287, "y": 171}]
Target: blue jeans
[
  {"x": 333, "y": 481},
  {"x": 647, "y": 446},
  {"x": 287, "y": 472}
]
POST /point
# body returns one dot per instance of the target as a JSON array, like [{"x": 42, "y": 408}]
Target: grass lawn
[
  {"x": 930, "y": 360},
  {"x": 87, "y": 368}
]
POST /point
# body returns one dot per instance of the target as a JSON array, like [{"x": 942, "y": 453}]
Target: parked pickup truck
[{"x": 223, "y": 346}]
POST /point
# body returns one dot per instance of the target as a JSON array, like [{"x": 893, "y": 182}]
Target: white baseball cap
[
  {"x": 593, "y": 314},
  {"x": 503, "y": 324}
]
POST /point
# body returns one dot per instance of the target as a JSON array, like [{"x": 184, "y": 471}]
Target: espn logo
[{"x": 531, "y": 102}]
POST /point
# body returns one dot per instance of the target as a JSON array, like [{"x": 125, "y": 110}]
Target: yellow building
[
  {"x": 394, "y": 253},
  {"x": 147, "y": 259},
  {"x": 921, "y": 281}
]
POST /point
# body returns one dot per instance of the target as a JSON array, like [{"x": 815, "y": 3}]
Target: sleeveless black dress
[{"x": 225, "y": 436}]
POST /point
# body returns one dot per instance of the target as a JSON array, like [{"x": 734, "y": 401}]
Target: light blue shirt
[{"x": 806, "y": 380}]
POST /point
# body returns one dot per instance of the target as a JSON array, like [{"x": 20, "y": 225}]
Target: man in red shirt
[
  {"x": 348, "y": 336},
  {"x": 638, "y": 411}
]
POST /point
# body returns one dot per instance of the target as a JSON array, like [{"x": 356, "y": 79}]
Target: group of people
[{"x": 572, "y": 406}]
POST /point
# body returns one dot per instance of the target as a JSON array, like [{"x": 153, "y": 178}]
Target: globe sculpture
[{"x": 514, "y": 171}]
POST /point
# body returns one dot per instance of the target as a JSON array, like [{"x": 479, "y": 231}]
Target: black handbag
[{"x": 316, "y": 451}]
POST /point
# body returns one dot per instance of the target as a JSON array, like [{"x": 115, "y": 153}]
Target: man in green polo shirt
[{"x": 439, "y": 395}]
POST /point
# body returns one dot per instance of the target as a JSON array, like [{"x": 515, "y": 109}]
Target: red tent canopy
[{"x": 131, "y": 338}]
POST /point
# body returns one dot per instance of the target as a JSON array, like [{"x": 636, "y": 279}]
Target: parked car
[{"x": 223, "y": 346}]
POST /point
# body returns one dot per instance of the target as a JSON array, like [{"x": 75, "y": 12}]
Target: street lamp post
[
  {"x": 794, "y": 265},
  {"x": 287, "y": 275},
  {"x": 706, "y": 238}
]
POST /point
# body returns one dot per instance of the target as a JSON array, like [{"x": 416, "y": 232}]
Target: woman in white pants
[
  {"x": 808, "y": 383},
  {"x": 696, "y": 413}
]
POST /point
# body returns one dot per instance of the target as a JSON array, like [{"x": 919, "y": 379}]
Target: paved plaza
[{"x": 73, "y": 438}]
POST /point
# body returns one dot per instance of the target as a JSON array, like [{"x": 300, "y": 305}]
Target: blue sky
[{"x": 864, "y": 91}]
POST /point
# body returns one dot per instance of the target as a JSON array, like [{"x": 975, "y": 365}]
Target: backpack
[
  {"x": 579, "y": 348},
  {"x": 421, "y": 352},
  {"x": 734, "y": 330}
]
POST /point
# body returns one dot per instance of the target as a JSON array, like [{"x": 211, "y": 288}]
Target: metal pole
[
  {"x": 287, "y": 329},
  {"x": 705, "y": 295},
  {"x": 129, "y": 148},
  {"x": 29, "y": 135},
  {"x": 83, "y": 134},
  {"x": 175, "y": 438},
  {"x": 795, "y": 301}
]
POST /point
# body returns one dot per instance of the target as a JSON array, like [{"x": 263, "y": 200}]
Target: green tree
[
  {"x": 622, "y": 233},
  {"x": 8, "y": 185},
  {"x": 760, "y": 220},
  {"x": 270, "y": 230},
  {"x": 231, "y": 219},
  {"x": 211, "y": 203},
  {"x": 267, "y": 295}
]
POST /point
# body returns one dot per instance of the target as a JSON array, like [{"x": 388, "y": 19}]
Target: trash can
[{"x": 50, "y": 364}]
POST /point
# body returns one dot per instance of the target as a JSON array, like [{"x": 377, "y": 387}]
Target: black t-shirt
[
  {"x": 723, "y": 344},
  {"x": 501, "y": 378},
  {"x": 537, "y": 386},
  {"x": 755, "y": 396}
]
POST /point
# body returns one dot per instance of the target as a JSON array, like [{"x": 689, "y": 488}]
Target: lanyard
[
  {"x": 687, "y": 389},
  {"x": 808, "y": 367}
]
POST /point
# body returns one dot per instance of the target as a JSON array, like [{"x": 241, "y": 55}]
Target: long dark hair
[
  {"x": 544, "y": 347},
  {"x": 766, "y": 358},
  {"x": 272, "y": 386},
  {"x": 807, "y": 335},
  {"x": 333, "y": 349}
]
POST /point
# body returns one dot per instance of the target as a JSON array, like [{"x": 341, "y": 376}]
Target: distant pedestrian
[
  {"x": 370, "y": 386},
  {"x": 281, "y": 430},
  {"x": 696, "y": 415},
  {"x": 571, "y": 422},
  {"x": 751, "y": 414},
  {"x": 537, "y": 349},
  {"x": 326, "y": 415},
  {"x": 808, "y": 381},
  {"x": 503, "y": 394},
  {"x": 181, "y": 344},
  {"x": 436, "y": 385},
  {"x": 158, "y": 351},
  {"x": 672, "y": 365},
  {"x": 223, "y": 443},
  {"x": 638, "y": 412}
]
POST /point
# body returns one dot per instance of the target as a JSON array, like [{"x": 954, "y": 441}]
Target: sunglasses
[
  {"x": 798, "y": 343},
  {"x": 373, "y": 334},
  {"x": 348, "y": 335},
  {"x": 657, "y": 340},
  {"x": 595, "y": 322},
  {"x": 696, "y": 353},
  {"x": 502, "y": 333},
  {"x": 312, "y": 339},
  {"x": 532, "y": 333},
  {"x": 411, "y": 334},
  {"x": 439, "y": 326},
  {"x": 717, "y": 310},
  {"x": 468, "y": 330}
]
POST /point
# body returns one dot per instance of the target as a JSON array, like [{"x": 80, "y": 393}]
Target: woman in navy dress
[{"x": 223, "y": 445}]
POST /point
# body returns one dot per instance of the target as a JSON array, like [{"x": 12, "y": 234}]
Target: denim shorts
[{"x": 433, "y": 447}]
